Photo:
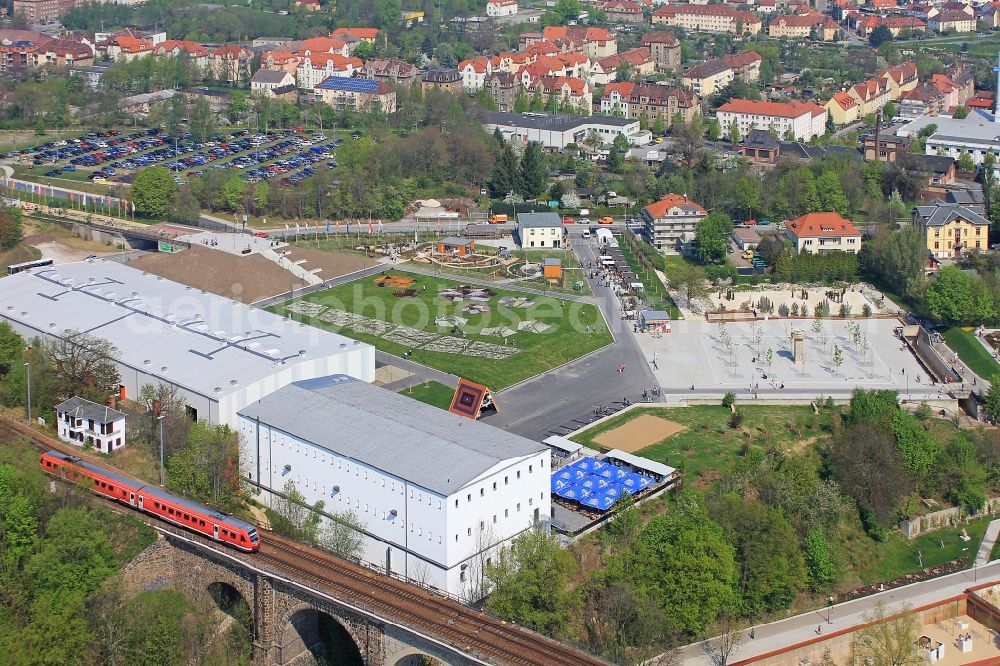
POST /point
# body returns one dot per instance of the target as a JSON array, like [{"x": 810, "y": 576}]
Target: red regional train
[{"x": 152, "y": 500}]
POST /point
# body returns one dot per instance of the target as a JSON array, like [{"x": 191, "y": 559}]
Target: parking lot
[{"x": 113, "y": 156}]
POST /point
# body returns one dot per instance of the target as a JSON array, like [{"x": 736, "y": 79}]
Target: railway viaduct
[{"x": 293, "y": 624}]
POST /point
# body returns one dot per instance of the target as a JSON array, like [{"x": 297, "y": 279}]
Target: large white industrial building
[
  {"x": 438, "y": 493},
  {"x": 220, "y": 354}
]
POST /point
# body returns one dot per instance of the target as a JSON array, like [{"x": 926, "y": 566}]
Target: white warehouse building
[
  {"x": 220, "y": 354},
  {"x": 438, "y": 493},
  {"x": 555, "y": 131}
]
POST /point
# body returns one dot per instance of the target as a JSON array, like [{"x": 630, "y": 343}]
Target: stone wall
[{"x": 914, "y": 527}]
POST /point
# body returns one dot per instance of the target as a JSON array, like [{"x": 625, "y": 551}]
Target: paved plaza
[{"x": 697, "y": 353}]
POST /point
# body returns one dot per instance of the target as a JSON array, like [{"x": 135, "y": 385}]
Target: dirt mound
[{"x": 394, "y": 281}]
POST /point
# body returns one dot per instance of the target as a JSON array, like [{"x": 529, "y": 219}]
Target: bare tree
[
  {"x": 161, "y": 400},
  {"x": 888, "y": 639},
  {"x": 342, "y": 535},
  {"x": 84, "y": 365},
  {"x": 721, "y": 648},
  {"x": 476, "y": 584}
]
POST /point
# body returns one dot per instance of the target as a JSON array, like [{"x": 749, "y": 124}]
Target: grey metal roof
[
  {"x": 966, "y": 197},
  {"x": 455, "y": 240},
  {"x": 536, "y": 220},
  {"x": 269, "y": 76},
  {"x": 560, "y": 122},
  {"x": 406, "y": 438},
  {"x": 205, "y": 343},
  {"x": 85, "y": 409},
  {"x": 552, "y": 261},
  {"x": 942, "y": 213},
  {"x": 937, "y": 163}
]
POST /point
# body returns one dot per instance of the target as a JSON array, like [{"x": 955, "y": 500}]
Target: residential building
[
  {"x": 759, "y": 147},
  {"x": 539, "y": 230},
  {"x": 818, "y": 233},
  {"x": 605, "y": 70},
  {"x": 801, "y": 120},
  {"x": 356, "y": 34},
  {"x": 843, "y": 108},
  {"x": 900, "y": 78},
  {"x": 84, "y": 423},
  {"x": 708, "y": 18},
  {"x": 448, "y": 80},
  {"x": 746, "y": 239},
  {"x": 889, "y": 147},
  {"x": 230, "y": 64},
  {"x": 392, "y": 70},
  {"x": 870, "y": 95},
  {"x": 556, "y": 131},
  {"x": 815, "y": 26},
  {"x": 623, "y": 11},
  {"x": 42, "y": 11},
  {"x": 650, "y": 101},
  {"x": 89, "y": 74},
  {"x": 593, "y": 42},
  {"x": 196, "y": 54},
  {"x": 565, "y": 92},
  {"x": 952, "y": 21},
  {"x": 283, "y": 60},
  {"x": 951, "y": 230},
  {"x": 474, "y": 72},
  {"x": 496, "y": 8},
  {"x": 925, "y": 99},
  {"x": 957, "y": 88},
  {"x": 503, "y": 88},
  {"x": 265, "y": 81},
  {"x": 318, "y": 67},
  {"x": 671, "y": 223},
  {"x": 665, "y": 49},
  {"x": 342, "y": 92},
  {"x": 866, "y": 24},
  {"x": 712, "y": 75},
  {"x": 126, "y": 48},
  {"x": 217, "y": 354}
]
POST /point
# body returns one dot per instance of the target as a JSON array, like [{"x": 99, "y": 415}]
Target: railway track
[{"x": 458, "y": 625}]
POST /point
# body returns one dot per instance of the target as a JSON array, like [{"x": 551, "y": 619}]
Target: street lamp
[
  {"x": 27, "y": 367},
  {"x": 160, "y": 419}
]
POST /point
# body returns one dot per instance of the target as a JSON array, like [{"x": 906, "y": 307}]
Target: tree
[
  {"x": 879, "y": 36},
  {"x": 965, "y": 162},
  {"x": 343, "y": 535},
  {"x": 684, "y": 561},
  {"x": 205, "y": 469},
  {"x": 153, "y": 191},
  {"x": 838, "y": 356},
  {"x": 233, "y": 192},
  {"x": 714, "y": 130},
  {"x": 991, "y": 402},
  {"x": 10, "y": 227},
  {"x": 957, "y": 297},
  {"x": 748, "y": 195},
  {"x": 831, "y": 193},
  {"x": 532, "y": 174},
  {"x": 11, "y": 345},
  {"x": 988, "y": 179},
  {"x": 689, "y": 281},
  {"x": 961, "y": 113},
  {"x": 530, "y": 582},
  {"x": 769, "y": 563},
  {"x": 84, "y": 365},
  {"x": 887, "y": 639},
  {"x": 819, "y": 562},
  {"x": 712, "y": 238},
  {"x": 504, "y": 178},
  {"x": 734, "y": 133},
  {"x": 202, "y": 121}
]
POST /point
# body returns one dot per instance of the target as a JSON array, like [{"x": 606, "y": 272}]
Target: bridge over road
[{"x": 307, "y": 606}]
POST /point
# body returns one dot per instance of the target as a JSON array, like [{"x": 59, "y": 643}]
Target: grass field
[
  {"x": 972, "y": 353},
  {"x": 898, "y": 556},
  {"x": 567, "y": 339},
  {"x": 432, "y": 393},
  {"x": 709, "y": 445}
]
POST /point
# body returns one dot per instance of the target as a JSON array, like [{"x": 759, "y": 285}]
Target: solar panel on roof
[{"x": 349, "y": 84}]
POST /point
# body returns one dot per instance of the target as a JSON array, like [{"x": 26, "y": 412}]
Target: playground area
[
  {"x": 790, "y": 300},
  {"x": 639, "y": 433}
]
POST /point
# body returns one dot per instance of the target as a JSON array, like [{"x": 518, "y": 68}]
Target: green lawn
[
  {"x": 972, "y": 353},
  {"x": 432, "y": 393},
  {"x": 575, "y": 328},
  {"x": 708, "y": 445},
  {"x": 898, "y": 556}
]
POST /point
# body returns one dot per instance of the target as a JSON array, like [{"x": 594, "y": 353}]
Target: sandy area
[
  {"x": 247, "y": 279},
  {"x": 390, "y": 373},
  {"x": 855, "y": 298},
  {"x": 639, "y": 433}
]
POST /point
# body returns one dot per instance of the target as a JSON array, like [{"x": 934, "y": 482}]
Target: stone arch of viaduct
[{"x": 286, "y": 616}]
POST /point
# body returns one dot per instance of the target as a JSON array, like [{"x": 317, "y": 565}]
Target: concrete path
[
  {"x": 801, "y": 628},
  {"x": 989, "y": 539}
]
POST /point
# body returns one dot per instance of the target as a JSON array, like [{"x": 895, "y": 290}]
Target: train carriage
[
  {"x": 105, "y": 483},
  {"x": 153, "y": 500}
]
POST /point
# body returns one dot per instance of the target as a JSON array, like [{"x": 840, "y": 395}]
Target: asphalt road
[
  {"x": 802, "y": 628},
  {"x": 563, "y": 399}
]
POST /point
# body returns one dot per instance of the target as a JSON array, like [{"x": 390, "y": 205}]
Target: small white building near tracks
[
  {"x": 437, "y": 493},
  {"x": 220, "y": 354}
]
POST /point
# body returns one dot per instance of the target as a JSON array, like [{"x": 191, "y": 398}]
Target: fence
[{"x": 914, "y": 527}]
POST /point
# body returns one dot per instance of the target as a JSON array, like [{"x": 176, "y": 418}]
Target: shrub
[
  {"x": 795, "y": 310},
  {"x": 783, "y": 310},
  {"x": 736, "y": 419},
  {"x": 866, "y": 310},
  {"x": 845, "y": 311},
  {"x": 728, "y": 399}
]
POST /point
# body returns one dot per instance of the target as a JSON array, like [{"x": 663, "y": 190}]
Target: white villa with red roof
[{"x": 817, "y": 233}]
